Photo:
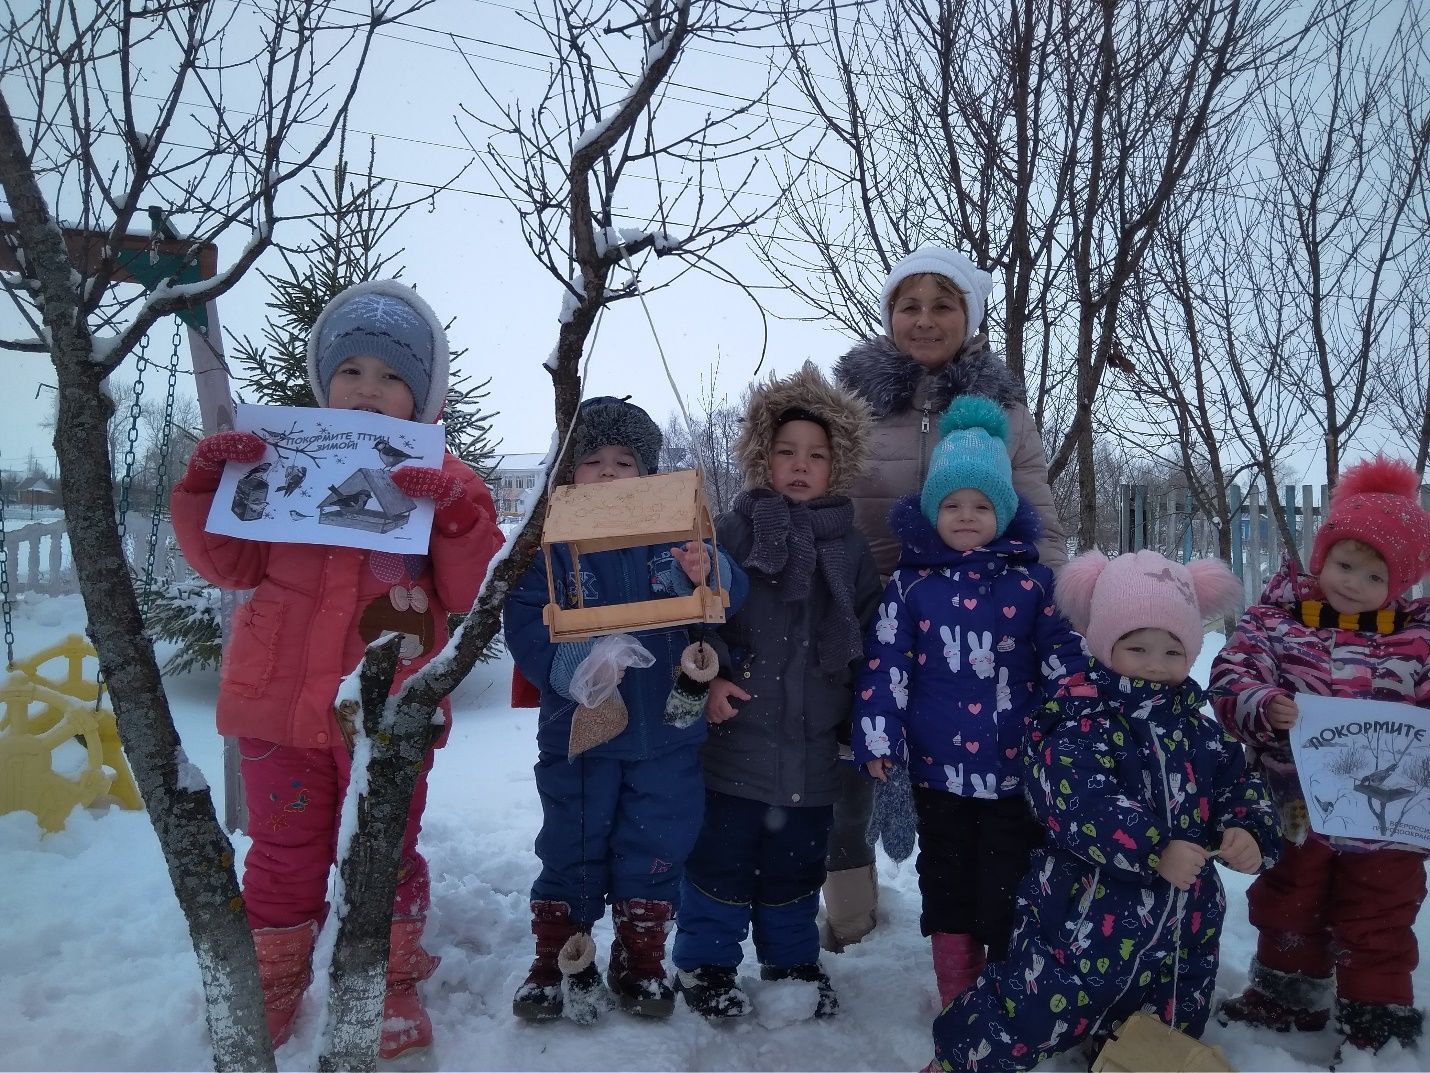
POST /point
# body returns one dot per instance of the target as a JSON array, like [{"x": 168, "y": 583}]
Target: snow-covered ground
[{"x": 96, "y": 971}]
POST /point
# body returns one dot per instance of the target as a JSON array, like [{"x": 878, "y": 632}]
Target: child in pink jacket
[
  {"x": 376, "y": 347},
  {"x": 1335, "y": 916}
]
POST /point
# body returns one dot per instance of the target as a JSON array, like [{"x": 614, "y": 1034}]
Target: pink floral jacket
[{"x": 1273, "y": 652}]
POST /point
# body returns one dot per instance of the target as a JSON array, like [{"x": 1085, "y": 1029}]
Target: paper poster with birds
[
  {"x": 1365, "y": 768},
  {"x": 326, "y": 478}
]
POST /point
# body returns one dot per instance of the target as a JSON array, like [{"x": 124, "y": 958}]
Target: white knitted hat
[{"x": 975, "y": 283}]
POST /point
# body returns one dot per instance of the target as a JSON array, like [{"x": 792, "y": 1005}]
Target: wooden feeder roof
[
  {"x": 662, "y": 508},
  {"x": 666, "y": 508}
]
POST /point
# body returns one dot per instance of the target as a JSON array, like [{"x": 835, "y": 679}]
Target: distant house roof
[
  {"x": 39, "y": 484},
  {"x": 508, "y": 463}
]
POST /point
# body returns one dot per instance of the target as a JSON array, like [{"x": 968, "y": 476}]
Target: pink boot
[
  {"x": 957, "y": 961},
  {"x": 405, "y": 1024},
  {"x": 285, "y": 969}
]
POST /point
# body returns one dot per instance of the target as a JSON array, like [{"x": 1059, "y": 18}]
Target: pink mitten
[
  {"x": 455, "y": 513},
  {"x": 206, "y": 463}
]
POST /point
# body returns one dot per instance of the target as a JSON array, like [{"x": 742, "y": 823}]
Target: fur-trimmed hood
[
  {"x": 887, "y": 378},
  {"x": 923, "y": 547},
  {"x": 844, "y": 415}
]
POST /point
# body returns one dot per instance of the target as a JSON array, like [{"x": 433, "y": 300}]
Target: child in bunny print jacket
[{"x": 967, "y": 644}]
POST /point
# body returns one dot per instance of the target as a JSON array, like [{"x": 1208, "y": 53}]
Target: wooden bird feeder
[
  {"x": 665, "y": 508},
  {"x": 1145, "y": 1044}
]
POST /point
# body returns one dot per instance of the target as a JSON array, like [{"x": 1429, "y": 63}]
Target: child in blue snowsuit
[
  {"x": 786, "y": 686},
  {"x": 1138, "y": 787},
  {"x": 619, "y": 818},
  {"x": 967, "y": 644}
]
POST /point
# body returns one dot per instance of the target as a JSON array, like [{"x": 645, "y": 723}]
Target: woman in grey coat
[{"x": 931, "y": 352}]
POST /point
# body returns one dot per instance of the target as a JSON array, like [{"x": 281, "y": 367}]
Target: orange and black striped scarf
[{"x": 1318, "y": 614}]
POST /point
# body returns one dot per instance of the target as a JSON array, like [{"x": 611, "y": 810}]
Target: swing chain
[
  {"x": 5, "y": 587},
  {"x": 132, "y": 438},
  {"x": 161, "y": 477}
]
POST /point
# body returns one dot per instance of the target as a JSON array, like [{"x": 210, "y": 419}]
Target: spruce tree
[{"x": 352, "y": 221}]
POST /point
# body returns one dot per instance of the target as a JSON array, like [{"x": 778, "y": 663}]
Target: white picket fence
[
  {"x": 38, "y": 559},
  {"x": 1169, "y": 522}
]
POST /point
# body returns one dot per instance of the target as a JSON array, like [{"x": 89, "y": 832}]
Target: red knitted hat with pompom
[{"x": 1378, "y": 503}]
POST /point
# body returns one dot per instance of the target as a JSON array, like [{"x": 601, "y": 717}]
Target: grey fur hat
[
  {"x": 844, "y": 415},
  {"x": 383, "y": 319},
  {"x": 606, "y": 421}
]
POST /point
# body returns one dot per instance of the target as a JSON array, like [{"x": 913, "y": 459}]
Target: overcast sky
[{"x": 466, "y": 256}]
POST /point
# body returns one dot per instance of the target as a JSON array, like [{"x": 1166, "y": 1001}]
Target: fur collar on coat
[{"x": 887, "y": 378}]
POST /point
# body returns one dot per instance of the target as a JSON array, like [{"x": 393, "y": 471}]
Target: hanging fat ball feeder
[
  {"x": 665, "y": 508},
  {"x": 698, "y": 666}
]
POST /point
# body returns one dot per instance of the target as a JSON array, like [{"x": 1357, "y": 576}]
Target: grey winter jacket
[
  {"x": 907, "y": 402},
  {"x": 781, "y": 747}
]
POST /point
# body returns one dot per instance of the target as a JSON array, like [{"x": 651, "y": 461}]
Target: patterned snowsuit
[
  {"x": 1332, "y": 903},
  {"x": 1123, "y": 767},
  {"x": 966, "y": 647}
]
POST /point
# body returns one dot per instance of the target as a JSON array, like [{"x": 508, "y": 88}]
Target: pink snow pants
[{"x": 294, "y": 797}]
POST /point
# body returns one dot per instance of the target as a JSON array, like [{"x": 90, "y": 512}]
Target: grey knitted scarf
[{"x": 790, "y": 541}]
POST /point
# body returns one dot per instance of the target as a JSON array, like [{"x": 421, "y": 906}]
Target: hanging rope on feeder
[{"x": 661, "y": 508}]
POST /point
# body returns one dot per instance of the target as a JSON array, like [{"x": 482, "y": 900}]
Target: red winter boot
[
  {"x": 1281, "y": 1001},
  {"x": 637, "y": 971},
  {"x": 405, "y": 1024},
  {"x": 957, "y": 961},
  {"x": 539, "y": 996},
  {"x": 285, "y": 969}
]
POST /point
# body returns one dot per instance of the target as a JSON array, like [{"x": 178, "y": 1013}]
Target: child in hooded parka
[
  {"x": 619, "y": 818},
  {"x": 376, "y": 346},
  {"x": 783, "y": 698},
  {"x": 1137, "y": 788},
  {"x": 968, "y": 642}
]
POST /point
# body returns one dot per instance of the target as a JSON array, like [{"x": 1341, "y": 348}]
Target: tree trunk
[
  {"x": 397, "y": 749},
  {"x": 399, "y": 744},
  {"x": 198, "y": 853}
]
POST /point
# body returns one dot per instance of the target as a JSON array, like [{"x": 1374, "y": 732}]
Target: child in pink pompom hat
[
  {"x": 1335, "y": 918},
  {"x": 1143, "y": 591},
  {"x": 1139, "y": 788}
]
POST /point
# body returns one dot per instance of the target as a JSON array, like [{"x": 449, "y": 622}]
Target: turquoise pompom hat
[{"x": 973, "y": 453}]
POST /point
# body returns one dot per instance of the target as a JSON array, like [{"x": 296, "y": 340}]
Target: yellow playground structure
[{"x": 40, "y": 714}]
